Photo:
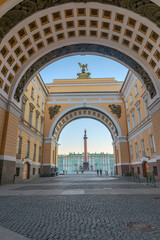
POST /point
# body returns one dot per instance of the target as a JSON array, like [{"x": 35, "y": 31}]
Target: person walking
[
  {"x": 101, "y": 172},
  {"x": 97, "y": 172}
]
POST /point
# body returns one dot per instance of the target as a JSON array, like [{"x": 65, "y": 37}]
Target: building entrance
[{"x": 26, "y": 171}]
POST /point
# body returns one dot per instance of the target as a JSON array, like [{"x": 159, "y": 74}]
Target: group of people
[
  {"x": 99, "y": 171},
  {"x": 82, "y": 170}
]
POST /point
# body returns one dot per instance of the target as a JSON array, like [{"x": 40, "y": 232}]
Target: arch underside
[
  {"x": 37, "y": 32},
  {"x": 79, "y": 49},
  {"x": 27, "y": 8},
  {"x": 84, "y": 113}
]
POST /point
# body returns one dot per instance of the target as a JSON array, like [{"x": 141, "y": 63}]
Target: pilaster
[{"x": 154, "y": 110}]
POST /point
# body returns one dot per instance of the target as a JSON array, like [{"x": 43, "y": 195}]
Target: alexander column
[{"x": 86, "y": 163}]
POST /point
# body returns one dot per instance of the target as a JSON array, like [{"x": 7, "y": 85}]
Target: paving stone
[{"x": 77, "y": 215}]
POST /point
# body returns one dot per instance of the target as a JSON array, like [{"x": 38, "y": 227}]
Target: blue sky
[
  {"x": 99, "y": 137},
  {"x": 71, "y": 138},
  {"x": 99, "y": 67}
]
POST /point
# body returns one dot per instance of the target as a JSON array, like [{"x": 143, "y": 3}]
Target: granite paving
[{"x": 77, "y": 207}]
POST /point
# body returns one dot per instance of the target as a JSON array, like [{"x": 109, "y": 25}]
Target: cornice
[
  {"x": 80, "y": 94},
  {"x": 12, "y": 108},
  {"x": 27, "y": 130},
  {"x": 154, "y": 107},
  {"x": 128, "y": 84},
  {"x": 143, "y": 127},
  {"x": 122, "y": 139}
]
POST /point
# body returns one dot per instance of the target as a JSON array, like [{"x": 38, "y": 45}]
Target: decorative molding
[
  {"x": 12, "y": 108},
  {"x": 7, "y": 158},
  {"x": 158, "y": 157},
  {"x": 27, "y": 8},
  {"x": 80, "y": 113},
  {"x": 31, "y": 106},
  {"x": 80, "y": 48},
  {"x": 48, "y": 165},
  {"x": 24, "y": 99},
  {"x": 154, "y": 107},
  {"x": 122, "y": 164},
  {"x": 29, "y": 131},
  {"x": 116, "y": 109},
  {"x": 137, "y": 104},
  {"x": 85, "y": 106},
  {"x": 143, "y": 127},
  {"x": 83, "y": 94},
  {"x": 37, "y": 113},
  {"x": 54, "y": 110},
  {"x": 27, "y": 160}
]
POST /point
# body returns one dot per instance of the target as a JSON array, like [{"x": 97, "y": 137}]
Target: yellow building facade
[
  {"x": 47, "y": 31},
  {"x": 30, "y": 132},
  {"x": 122, "y": 106}
]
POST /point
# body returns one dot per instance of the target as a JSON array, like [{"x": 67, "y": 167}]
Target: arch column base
[
  {"x": 49, "y": 170},
  {"x": 119, "y": 169},
  {"x": 50, "y": 158},
  {"x": 7, "y": 171},
  {"x": 122, "y": 157}
]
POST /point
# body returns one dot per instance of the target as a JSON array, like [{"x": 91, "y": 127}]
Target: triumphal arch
[{"x": 34, "y": 33}]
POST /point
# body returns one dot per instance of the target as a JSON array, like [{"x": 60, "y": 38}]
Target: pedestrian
[
  {"x": 97, "y": 172},
  {"x": 101, "y": 172}
]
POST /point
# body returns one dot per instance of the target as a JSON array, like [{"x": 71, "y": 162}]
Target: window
[
  {"x": 28, "y": 148},
  {"x": 41, "y": 130},
  {"x": 131, "y": 152},
  {"x": 31, "y": 113},
  {"x": 30, "y": 117},
  {"x": 40, "y": 149},
  {"x": 133, "y": 119},
  {"x": 126, "y": 105},
  {"x": 139, "y": 114},
  {"x": 34, "y": 152},
  {"x": 155, "y": 171},
  {"x": 131, "y": 100},
  {"x": 23, "y": 109},
  {"x": 129, "y": 125},
  {"x": 146, "y": 106},
  {"x": 137, "y": 153},
  {"x": 143, "y": 147},
  {"x": 38, "y": 101},
  {"x": 36, "y": 123},
  {"x": 23, "y": 106},
  {"x": 17, "y": 171},
  {"x": 32, "y": 93},
  {"x": 34, "y": 171},
  {"x": 152, "y": 143},
  {"x": 19, "y": 146},
  {"x": 136, "y": 90},
  {"x": 42, "y": 107}
]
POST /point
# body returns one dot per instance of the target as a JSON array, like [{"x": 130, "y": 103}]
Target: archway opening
[
  {"x": 98, "y": 66},
  {"x": 99, "y": 149}
]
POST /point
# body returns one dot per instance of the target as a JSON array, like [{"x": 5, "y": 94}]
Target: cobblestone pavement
[{"x": 77, "y": 207}]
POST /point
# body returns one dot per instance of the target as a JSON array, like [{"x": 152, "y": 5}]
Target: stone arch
[
  {"x": 117, "y": 31},
  {"x": 85, "y": 111}
]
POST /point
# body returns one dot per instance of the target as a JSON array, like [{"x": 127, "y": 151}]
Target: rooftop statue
[
  {"x": 84, "y": 67},
  {"x": 83, "y": 75}
]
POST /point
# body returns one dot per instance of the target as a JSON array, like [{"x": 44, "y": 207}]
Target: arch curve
[
  {"x": 85, "y": 111},
  {"x": 82, "y": 48}
]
